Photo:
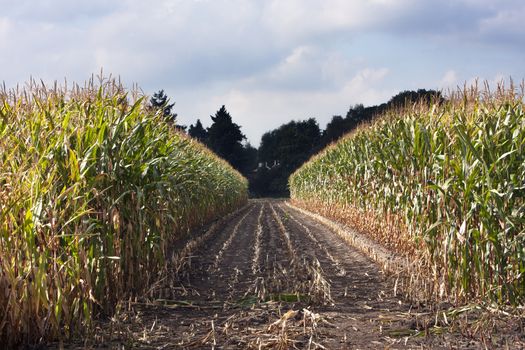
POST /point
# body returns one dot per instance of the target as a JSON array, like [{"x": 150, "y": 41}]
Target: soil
[{"x": 271, "y": 277}]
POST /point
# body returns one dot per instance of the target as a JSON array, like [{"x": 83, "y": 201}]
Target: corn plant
[
  {"x": 444, "y": 185},
  {"x": 94, "y": 189}
]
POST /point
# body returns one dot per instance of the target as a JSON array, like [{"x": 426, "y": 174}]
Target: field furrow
[{"x": 271, "y": 277}]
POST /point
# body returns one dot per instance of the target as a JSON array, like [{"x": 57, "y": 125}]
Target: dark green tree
[
  {"x": 358, "y": 114},
  {"x": 281, "y": 152},
  {"x": 160, "y": 101},
  {"x": 410, "y": 97},
  {"x": 198, "y": 132},
  {"x": 225, "y": 138},
  {"x": 334, "y": 129},
  {"x": 248, "y": 159}
]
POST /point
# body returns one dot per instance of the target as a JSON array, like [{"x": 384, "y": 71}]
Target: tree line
[{"x": 285, "y": 148}]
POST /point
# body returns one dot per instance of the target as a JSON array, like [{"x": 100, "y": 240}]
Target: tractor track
[{"x": 272, "y": 277}]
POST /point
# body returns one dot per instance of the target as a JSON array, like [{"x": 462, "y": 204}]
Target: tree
[
  {"x": 225, "y": 138},
  {"x": 198, "y": 132},
  {"x": 356, "y": 115},
  {"x": 160, "y": 101},
  {"x": 420, "y": 96},
  {"x": 282, "y": 151},
  {"x": 334, "y": 130},
  {"x": 248, "y": 159}
]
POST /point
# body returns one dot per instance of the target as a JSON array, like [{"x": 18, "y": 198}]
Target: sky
[{"x": 267, "y": 61}]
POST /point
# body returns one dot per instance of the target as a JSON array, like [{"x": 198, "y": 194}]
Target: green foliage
[
  {"x": 198, "y": 132},
  {"x": 160, "y": 101},
  {"x": 286, "y": 148},
  {"x": 224, "y": 137},
  {"x": 358, "y": 114},
  {"x": 454, "y": 173},
  {"x": 94, "y": 189},
  {"x": 282, "y": 151}
]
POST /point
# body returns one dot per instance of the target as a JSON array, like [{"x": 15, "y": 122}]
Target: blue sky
[{"x": 267, "y": 61}]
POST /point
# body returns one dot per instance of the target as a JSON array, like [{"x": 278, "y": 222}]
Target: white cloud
[
  {"x": 508, "y": 22},
  {"x": 260, "y": 110},
  {"x": 364, "y": 87},
  {"x": 268, "y": 61},
  {"x": 449, "y": 80},
  {"x": 200, "y": 42},
  {"x": 299, "y": 20},
  {"x": 4, "y": 31},
  {"x": 307, "y": 68}
]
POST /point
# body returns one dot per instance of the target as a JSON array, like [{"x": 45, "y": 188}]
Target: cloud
[
  {"x": 274, "y": 59},
  {"x": 259, "y": 110},
  {"x": 305, "y": 68},
  {"x": 203, "y": 42},
  {"x": 191, "y": 42},
  {"x": 505, "y": 26},
  {"x": 449, "y": 80},
  {"x": 469, "y": 23},
  {"x": 299, "y": 20},
  {"x": 493, "y": 82},
  {"x": 57, "y": 11},
  {"x": 4, "y": 31}
]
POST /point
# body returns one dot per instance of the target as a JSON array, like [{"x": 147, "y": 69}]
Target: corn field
[
  {"x": 94, "y": 189},
  {"x": 442, "y": 185}
]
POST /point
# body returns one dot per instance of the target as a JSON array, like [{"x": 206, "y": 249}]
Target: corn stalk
[
  {"x": 444, "y": 185},
  {"x": 94, "y": 188}
]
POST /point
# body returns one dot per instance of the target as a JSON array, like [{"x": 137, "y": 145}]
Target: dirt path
[{"x": 271, "y": 277}]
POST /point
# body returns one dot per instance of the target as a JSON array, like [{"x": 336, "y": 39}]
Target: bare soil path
[{"x": 271, "y": 277}]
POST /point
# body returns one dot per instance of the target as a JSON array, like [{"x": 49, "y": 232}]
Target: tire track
[
  {"x": 307, "y": 271},
  {"x": 226, "y": 245},
  {"x": 257, "y": 248},
  {"x": 270, "y": 277},
  {"x": 197, "y": 256},
  {"x": 336, "y": 257},
  {"x": 316, "y": 249}
]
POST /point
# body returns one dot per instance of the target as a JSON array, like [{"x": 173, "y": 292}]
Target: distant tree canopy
[
  {"x": 411, "y": 97},
  {"x": 281, "y": 152},
  {"x": 334, "y": 129},
  {"x": 198, "y": 132},
  {"x": 358, "y": 114},
  {"x": 286, "y": 148},
  {"x": 160, "y": 101},
  {"x": 248, "y": 160},
  {"x": 291, "y": 144},
  {"x": 225, "y": 138}
]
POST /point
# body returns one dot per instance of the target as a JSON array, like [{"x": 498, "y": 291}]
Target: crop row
[
  {"x": 442, "y": 184},
  {"x": 95, "y": 186}
]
